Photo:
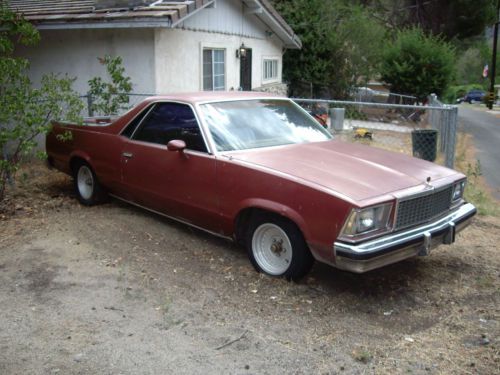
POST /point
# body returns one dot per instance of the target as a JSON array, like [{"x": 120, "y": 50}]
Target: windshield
[{"x": 244, "y": 124}]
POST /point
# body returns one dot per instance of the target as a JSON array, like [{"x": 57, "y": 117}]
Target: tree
[
  {"x": 26, "y": 112},
  {"x": 418, "y": 64},
  {"x": 108, "y": 98},
  {"x": 470, "y": 64},
  {"x": 341, "y": 46},
  {"x": 458, "y": 19}
]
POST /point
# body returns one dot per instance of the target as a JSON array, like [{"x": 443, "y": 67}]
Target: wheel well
[
  {"x": 75, "y": 162},
  {"x": 244, "y": 218}
]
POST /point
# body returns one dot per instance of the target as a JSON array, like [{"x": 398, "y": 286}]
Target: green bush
[
  {"x": 26, "y": 112},
  {"x": 418, "y": 64},
  {"x": 341, "y": 46},
  {"x": 109, "y": 98}
]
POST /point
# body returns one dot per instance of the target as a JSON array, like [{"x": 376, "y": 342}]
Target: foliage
[
  {"x": 26, "y": 112},
  {"x": 418, "y": 64},
  {"x": 108, "y": 98},
  {"x": 470, "y": 64},
  {"x": 341, "y": 46},
  {"x": 458, "y": 19},
  {"x": 14, "y": 28}
]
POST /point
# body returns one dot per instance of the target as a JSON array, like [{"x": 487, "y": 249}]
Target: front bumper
[{"x": 394, "y": 247}]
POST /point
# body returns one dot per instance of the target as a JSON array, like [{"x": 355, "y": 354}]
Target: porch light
[{"x": 241, "y": 52}]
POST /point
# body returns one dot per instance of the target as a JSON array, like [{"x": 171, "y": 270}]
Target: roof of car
[{"x": 213, "y": 96}]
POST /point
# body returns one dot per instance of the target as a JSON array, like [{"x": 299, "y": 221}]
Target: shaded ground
[{"x": 116, "y": 290}]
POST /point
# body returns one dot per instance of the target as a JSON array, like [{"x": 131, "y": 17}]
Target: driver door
[{"x": 180, "y": 184}]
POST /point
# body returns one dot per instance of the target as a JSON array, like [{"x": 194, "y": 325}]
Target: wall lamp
[{"x": 241, "y": 52}]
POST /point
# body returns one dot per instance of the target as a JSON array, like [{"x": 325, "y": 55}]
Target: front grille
[{"x": 422, "y": 208}]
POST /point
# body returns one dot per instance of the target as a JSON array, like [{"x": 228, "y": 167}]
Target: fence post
[
  {"x": 451, "y": 135},
  {"x": 444, "y": 129},
  {"x": 90, "y": 104}
]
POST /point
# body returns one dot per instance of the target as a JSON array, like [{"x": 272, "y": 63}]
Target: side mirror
[{"x": 176, "y": 145}]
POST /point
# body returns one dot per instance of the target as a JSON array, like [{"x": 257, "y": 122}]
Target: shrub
[
  {"x": 108, "y": 98},
  {"x": 26, "y": 112},
  {"x": 418, "y": 64}
]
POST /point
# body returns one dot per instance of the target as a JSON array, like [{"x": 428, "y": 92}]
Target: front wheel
[
  {"x": 88, "y": 189},
  {"x": 276, "y": 247}
]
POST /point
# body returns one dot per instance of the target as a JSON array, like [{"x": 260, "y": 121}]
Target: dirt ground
[{"x": 116, "y": 290}]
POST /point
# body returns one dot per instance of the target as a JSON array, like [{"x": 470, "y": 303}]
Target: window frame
[
  {"x": 212, "y": 49},
  {"x": 145, "y": 114},
  {"x": 272, "y": 60}
]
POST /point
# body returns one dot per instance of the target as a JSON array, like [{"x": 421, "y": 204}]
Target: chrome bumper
[{"x": 394, "y": 247}]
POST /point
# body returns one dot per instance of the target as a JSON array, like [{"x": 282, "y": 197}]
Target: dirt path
[{"x": 116, "y": 290}]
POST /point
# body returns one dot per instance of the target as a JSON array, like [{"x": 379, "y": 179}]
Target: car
[
  {"x": 474, "y": 96},
  {"x": 368, "y": 95},
  {"x": 259, "y": 170}
]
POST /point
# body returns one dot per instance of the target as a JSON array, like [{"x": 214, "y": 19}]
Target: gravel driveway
[{"x": 116, "y": 290}]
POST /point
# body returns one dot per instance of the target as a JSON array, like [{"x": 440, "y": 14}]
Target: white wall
[
  {"x": 160, "y": 60},
  {"x": 179, "y": 58},
  {"x": 75, "y": 52},
  {"x": 227, "y": 17}
]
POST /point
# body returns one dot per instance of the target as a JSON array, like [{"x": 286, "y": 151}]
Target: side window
[
  {"x": 129, "y": 129},
  {"x": 168, "y": 121}
]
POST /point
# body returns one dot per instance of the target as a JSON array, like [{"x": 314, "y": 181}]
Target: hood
[{"x": 356, "y": 171}]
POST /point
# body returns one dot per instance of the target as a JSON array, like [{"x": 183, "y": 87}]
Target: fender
[
  {"x": 80, "y": 155},
  {"x": 277, "y": 208}
]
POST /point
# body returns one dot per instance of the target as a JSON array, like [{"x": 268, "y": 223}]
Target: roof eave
[
  {"x": 118, "y": 24},
  {"x": 289, "y": 38}
]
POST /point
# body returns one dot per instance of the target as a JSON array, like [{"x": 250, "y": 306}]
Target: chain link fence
[
  {"x": 424, "y": 131},
  {"x": 134, "y": 99}
]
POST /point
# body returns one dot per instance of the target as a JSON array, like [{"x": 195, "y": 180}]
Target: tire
[
  {"x": 276, "y": 247},
  {"x": 88, "y": 190}
]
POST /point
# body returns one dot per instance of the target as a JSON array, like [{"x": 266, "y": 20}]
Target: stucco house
[{"x": 166, "y": 46}]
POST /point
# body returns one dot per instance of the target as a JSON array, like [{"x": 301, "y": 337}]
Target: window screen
[
  {"x": 214, "y": 70},
  {"x": 270, "y": 69}
]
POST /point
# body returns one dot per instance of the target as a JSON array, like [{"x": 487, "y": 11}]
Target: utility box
[{"x": 337, "y": 118}]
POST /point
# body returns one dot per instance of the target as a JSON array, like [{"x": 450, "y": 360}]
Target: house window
[
  {"x": 214, "y": 70},
  {"x": 270, "y": 69}
]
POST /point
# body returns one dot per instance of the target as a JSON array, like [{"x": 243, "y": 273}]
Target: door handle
[{"x": 128, "y": 155}]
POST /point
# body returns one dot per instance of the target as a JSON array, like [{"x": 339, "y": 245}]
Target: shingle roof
[
  {"x": 166, "y": 13},
  {"x": 91, "y": 10}
]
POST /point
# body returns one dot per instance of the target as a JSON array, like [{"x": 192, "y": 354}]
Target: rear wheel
[
  {"x": 88, "y": 189},
  {"x": 276, "y": 247}
]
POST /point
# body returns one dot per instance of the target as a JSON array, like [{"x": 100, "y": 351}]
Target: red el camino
[{"x": 260, "y": 170}]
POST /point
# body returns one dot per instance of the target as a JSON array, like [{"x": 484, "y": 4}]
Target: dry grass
[
  {"x": 477, "y": 191},
  {"x": 436, "y": 315}
]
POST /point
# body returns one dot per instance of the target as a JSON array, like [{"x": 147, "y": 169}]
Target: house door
[{"x": 246, "y": 70}]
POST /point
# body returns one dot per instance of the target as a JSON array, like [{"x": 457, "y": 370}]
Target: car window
[
  {"x": 129, "y": 129},
  {"x": 246, "y": 124},
  {"x": 168, "y": 121}
]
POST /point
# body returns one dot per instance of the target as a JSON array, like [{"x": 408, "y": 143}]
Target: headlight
[
  {"x": 367, "y": 220},
  {"x": 458, "y": 191}
]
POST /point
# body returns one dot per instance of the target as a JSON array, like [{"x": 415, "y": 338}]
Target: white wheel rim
[
  {"x": 85, "y": 182},
  {"x": 272, "y": 249}
]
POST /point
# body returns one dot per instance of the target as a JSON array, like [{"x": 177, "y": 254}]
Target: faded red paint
[{"x": 315, "y": 184}]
